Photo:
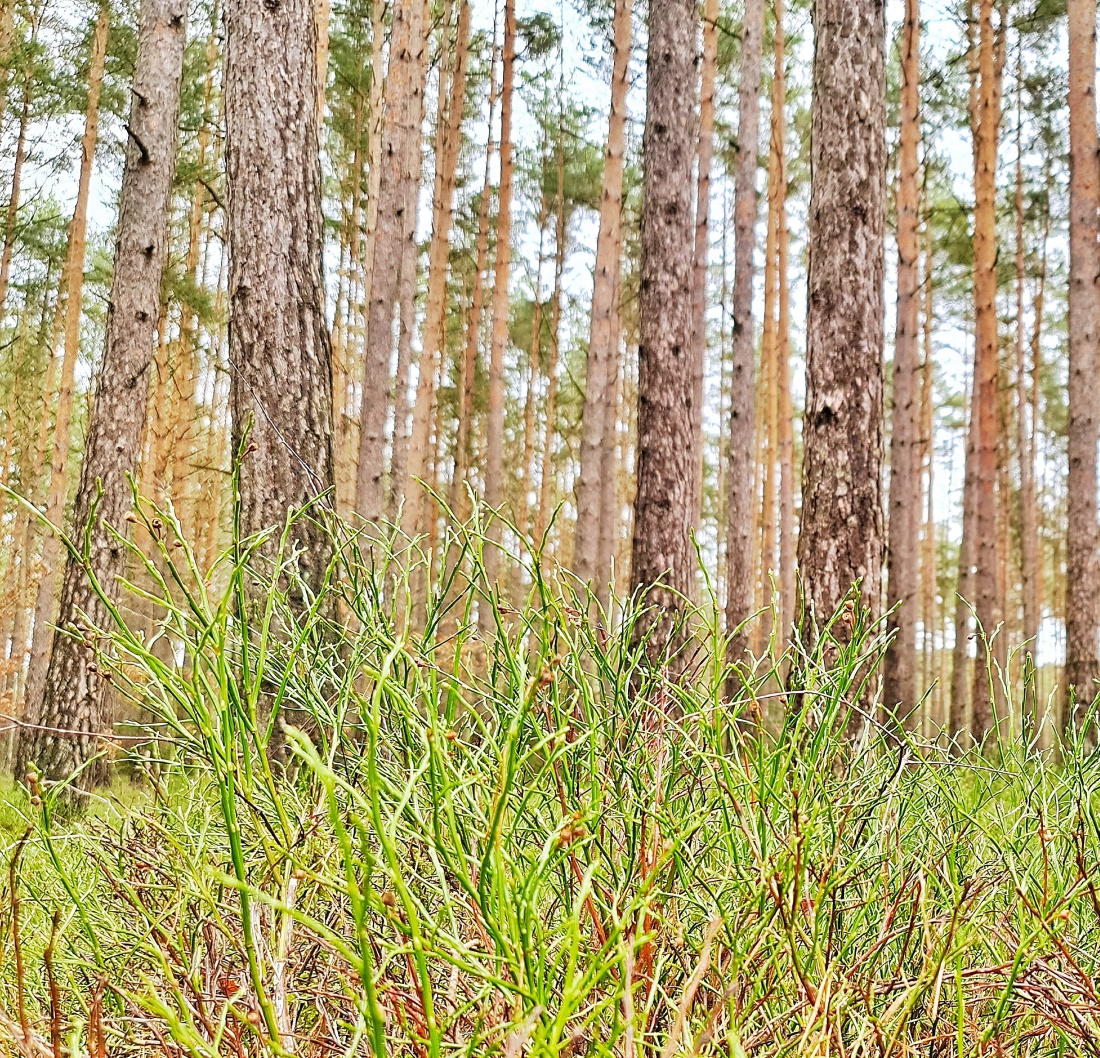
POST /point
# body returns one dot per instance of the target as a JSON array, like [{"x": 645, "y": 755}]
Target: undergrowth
[{"x": 354, "y": 826}]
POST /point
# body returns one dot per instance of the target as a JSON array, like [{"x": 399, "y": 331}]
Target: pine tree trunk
[
  {"x": 986, "y": 597},
  {"x": 662, "y": 567},
  {"x": 1024, "y": 454},
  {"x": 406, "y": 299},
  {"x": 74, "y": 694},
  {"x": 184, "y": 408},
  {"x": 494, "y": 461},
  {"x": 741, "y": 471},
  {"x": 702, "y": 246},
  {"x": 787, "y": 540},
  {"x": 12, "y": 211},
  {"x": 279, "y": 348},
  {"x": 404, "y": 97},
  {"x": 1082, "y": 573},
  {"x": 611, "y": 506},
  {"x": 448, "y": 144},
  {"x": 841, "y": 540},
  {"x": 768, "y": 412},
  {"x": 929, "y": 616},
  {"x": 959, "y": 713},
  {"x": 72, "y": 281},
  {"x": 546, "y": 477},
  {"x": 598, "y": 392},
  {"x": 534, "y": 362},
  {"x": 900, "y": 693},
  {"x": 458, "y": 498}
]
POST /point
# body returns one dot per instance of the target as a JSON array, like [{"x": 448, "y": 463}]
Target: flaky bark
[
  {"x": 494, "y": 461},
  {"x": 1082, "y": 572},
  {"x": 661, "y": 562},
  {"x": 281, "y": 378},
  {"x": 12, "y": 211},
  {"x": 959, "y": 710},
  {"x": 841, "y": 539},
  {"x": 900, "y": 694},
  {"x": 598, "y": 395},
  {"x": 74, "y": 694},
  {"x": 395, "y": 226},
  {"x": 72, "y": 280},
  {"x": 741, "y": 469}
]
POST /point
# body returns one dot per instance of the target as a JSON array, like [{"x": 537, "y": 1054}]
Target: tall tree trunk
[
  {"x": 12, "y": 213},
  {"x": 959, "y": 714},
  {"x": 702, "y": 247},
  {"x": 927, "y": 460},
  {"x": 900, "y": 694},
  {"x": 278, "y": 340},
  {"x": 448, "y": 144},
  {"x": 1028, "y": 535},
  {"x": 73, "y": 698},
  {"x": 661, "y": 560},
  {"x": 534, "y": 364},
  {"x": 344, "y": 328},
  {"x": 598, "y": 392},
  {"x": 610, "y": 525},
  {"x": 768, "y": 410},
  {"x": 787, "y": 541},
  {"x": 404, "y": 96},
  {"x": 741, "y": 471},
  {"x": 841, "y": 539},
  {"x": 406, "y": 291},
  {"x": 546, "y": 477},
  {"x": 494, "y": 462},
  {"x": 72, "y": 281},
  {"x": 987, "y": 604},
  {"x": 1082, "y": 572},
  {"x": 458, "y": 498},
  {"x": 185, "y": 369}
]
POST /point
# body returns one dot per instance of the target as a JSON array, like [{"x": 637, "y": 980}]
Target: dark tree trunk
[
  {"x": 841, "y": 539},
  {"x": 661, "y": 565},
  {"x": 74, "y": 694},
  {"x": 281, "y": 377}
]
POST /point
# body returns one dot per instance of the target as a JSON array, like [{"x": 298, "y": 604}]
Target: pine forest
[{"x": 540, "y": 527}]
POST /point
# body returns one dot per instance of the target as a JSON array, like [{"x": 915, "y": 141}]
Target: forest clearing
[{"x": 543, "y": 528}]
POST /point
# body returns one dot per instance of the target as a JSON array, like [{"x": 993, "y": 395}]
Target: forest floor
[{"x": 534, "y": 842}]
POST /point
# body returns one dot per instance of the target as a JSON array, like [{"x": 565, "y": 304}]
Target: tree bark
[
  {"x": 598, "y": 392},
  {"x": 448, "y": 144},
  {"x": 661, "y": 561},
  {"x": 404, "y": 97},
  {"x": 279, "y": 351},
  {"x": 900, "y": 694},
  {"x": 1082, "y": 572},
  {"x": 741, "y": 470},
  {"x": 12, "y": 212},
  {"x": 494, "y": 462},
  {"x": 841, "y": 539},
  {"x": 611, "y": 506},
  {"x": 74, "y": 693},
  {"x": 72, "y": 281},
  {"x": 787, "y": 539},
  {"x": 458, "y": 498},
  {"x": 986, "y": 597},
  {"x": 702, "y": 246}
]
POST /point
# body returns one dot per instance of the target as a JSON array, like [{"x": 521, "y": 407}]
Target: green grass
[{"x": 534, "y": 844}]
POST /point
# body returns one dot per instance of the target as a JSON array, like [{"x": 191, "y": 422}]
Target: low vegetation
[{"x": 340, "y": 835}]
